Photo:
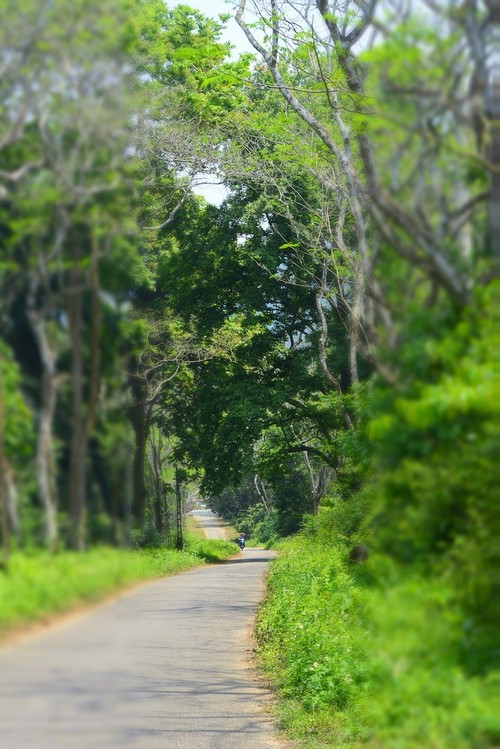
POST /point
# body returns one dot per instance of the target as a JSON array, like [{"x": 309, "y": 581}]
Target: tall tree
[{"x": 63, "y": 180}]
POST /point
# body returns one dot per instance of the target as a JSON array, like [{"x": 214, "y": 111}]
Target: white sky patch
[
  {"x": 211, "y": 189},
  {"x": 232, "y": 32}
]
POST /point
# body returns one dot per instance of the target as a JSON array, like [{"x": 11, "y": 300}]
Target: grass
[
  {"x": 194, "y": 528},
  {"x": 357, "y": 663},
  {"x": 38, "y": 584},
  {"x": 210, "y": 550}
]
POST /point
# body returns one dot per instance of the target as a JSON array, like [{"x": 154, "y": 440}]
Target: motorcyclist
[{"x": 241, "y": 540}]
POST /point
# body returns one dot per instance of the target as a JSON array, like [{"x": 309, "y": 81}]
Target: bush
[
  {"x": 368, "y": 654},
  {"x": 209, "y": 550}
]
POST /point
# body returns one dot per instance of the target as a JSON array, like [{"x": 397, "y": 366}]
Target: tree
[
  {"x": 347, "y": 99},
  {"x": 63, "y": 168}
]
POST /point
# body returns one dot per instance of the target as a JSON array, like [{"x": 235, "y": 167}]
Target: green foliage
[
  {"x": 180, "y": 51},
  {"x": 307, "y": 627},
  {"x": 19, "y": 436},
  {"x": 259, "y": 524},
  {"x": 210, "y": 550},
  {"x": 432, "y": 498},
  {"x": 342, "y": 517},
  {"x": 423, "y": 692},
  {"x": 368, "y": 655}
]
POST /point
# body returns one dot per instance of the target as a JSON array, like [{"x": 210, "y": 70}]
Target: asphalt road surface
[
  {"x": 210, "y": 523},
  {"x": 166, "y": 665}
]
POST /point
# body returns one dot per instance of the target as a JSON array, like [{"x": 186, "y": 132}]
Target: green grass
[
  {"x": 38, "y": 584},
  {"x": 210, "y": 550},
  {"x": 358, "y": 663},
  {"x": 194, "y": 528}
]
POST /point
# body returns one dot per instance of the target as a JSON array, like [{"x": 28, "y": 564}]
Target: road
[
  {"x": 165, "y": 665},
  {"x": 211, "y": 524}
]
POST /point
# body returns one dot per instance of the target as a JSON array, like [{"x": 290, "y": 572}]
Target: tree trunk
[
  {"x": 95, "y": 350},
  {"x": 318, "y": 481},
  {"x": 261, "y": 491},
  {"x": 492, "y": 111},
  {"x": 155, "y": 462},
  {"x": 138, "y": 418},
  {"x": 179, "y": 541},
  {"x": 45, "y": 448},
  {"x": 76, "y": 481},
  {"x": 11, "y": 493},
  {"x": 322, "y": 347}
]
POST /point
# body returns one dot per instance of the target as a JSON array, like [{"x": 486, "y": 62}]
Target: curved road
[{"x": 166, "y": 665}]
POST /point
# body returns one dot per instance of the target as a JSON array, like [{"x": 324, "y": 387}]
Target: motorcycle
[{"x": 241, "y": 542}]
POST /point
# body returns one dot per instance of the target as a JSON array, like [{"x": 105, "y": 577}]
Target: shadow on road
[{"x": 246, "y": 560}]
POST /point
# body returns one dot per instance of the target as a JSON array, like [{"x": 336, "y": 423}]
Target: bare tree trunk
[
  {"x": 155, "y": 462},
  {"x": 318, "y": 481},
  {"x": 83, "y": 419},
  {"x": 45, "y": 447},
  {"x": 11, "y": 493},
  {"x": 138, "y": 418},
  {"x": 322, "y": 346},
  {"x": 76, "y": 481},
  {"x": 95, "y": 350},
  {"x": 179, "y": 514},
  {"x": 261, "y": 491},
  {"x": 492, "y": 109}
]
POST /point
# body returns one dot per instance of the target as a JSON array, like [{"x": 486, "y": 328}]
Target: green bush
[
  {"x": 368, "y": 654},
  {"x": 210, "y": 550}
]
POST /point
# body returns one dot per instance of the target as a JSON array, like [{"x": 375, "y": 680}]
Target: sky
[{"x": 214, "y": 8}]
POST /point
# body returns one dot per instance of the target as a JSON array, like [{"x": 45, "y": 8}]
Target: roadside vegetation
[
  {"x": 378, "y": 628},
  {"x": 369, "y": 655}
]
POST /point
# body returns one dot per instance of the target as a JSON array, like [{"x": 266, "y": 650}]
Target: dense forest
[{"x": 312, "y": 354}]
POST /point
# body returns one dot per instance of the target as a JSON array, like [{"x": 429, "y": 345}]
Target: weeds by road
[{"x": 363, "y": 655}]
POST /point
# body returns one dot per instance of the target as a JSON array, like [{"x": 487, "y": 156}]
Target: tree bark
[
  {"x": 95, "y": 349},
  {"x": 492, "y": 110},
  {"x": 45, "y": 446},
  {"x": 11, "y": 493},
  {"x": 322, "y": 346},
  {"x": 155, "y": 462},
  {"x": 261, "y": 491},
  {"x": 138, "y": 418},
  {"x": 76, "y": 481}
]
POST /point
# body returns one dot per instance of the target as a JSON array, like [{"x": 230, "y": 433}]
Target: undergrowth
[{"x": 360, "y": 663}]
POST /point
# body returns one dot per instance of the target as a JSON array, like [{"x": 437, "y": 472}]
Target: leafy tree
[{"x": 63, "y": 201}]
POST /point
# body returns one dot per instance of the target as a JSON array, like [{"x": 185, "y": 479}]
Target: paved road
[
  {"x": 211, "y": 524},
  {"x": 166, "y": 665}
]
